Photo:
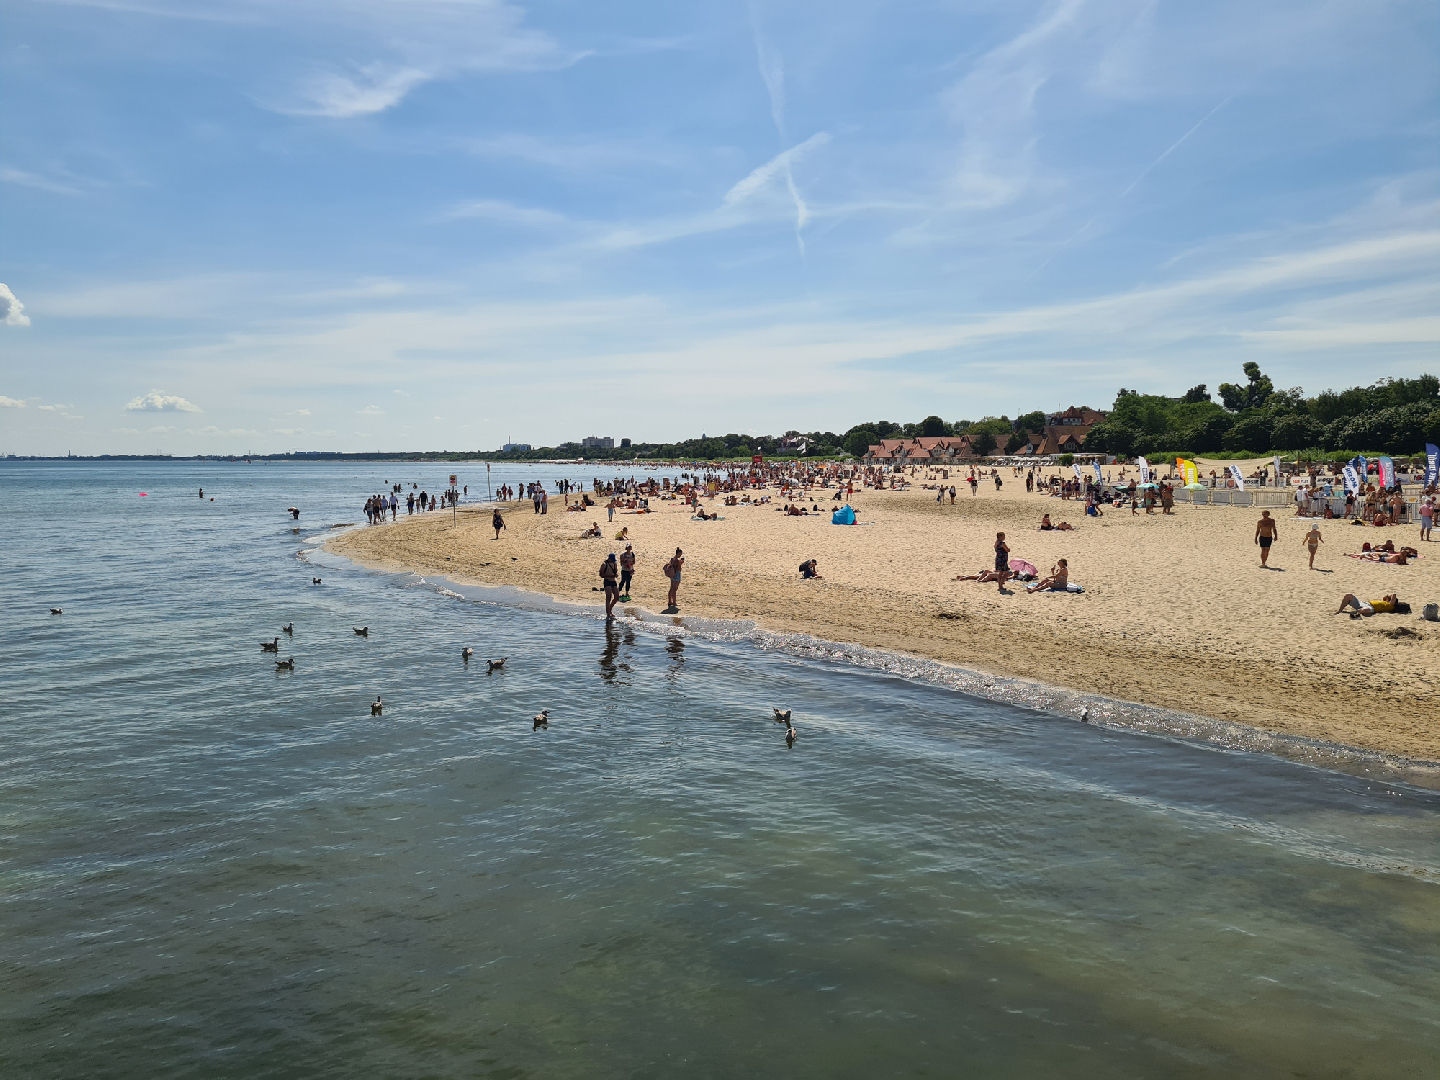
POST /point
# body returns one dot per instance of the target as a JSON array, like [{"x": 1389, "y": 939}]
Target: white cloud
[
  {"x": 159, "y": 430},
  {"x": 54, "y": 408},
  {"x": 776, "y": 167},
  {"x": 371, "y": 410},
  {"x": 40, "y": 183},
  {"x": 10, "y": 403},
  {"x": 509, "y": 213},
  {"x": 155, "y": 401},
  {"x": 370, "y": 89},
  {"x": 288, "y": 431},
  {"x": 12, "y": 311},
  {"x": 302, "y": 412}
]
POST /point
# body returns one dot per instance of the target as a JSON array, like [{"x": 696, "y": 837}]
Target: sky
[{"x": 253, "y": 226}]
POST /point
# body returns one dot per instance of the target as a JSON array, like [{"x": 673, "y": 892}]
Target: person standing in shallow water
[
  {"x": 672, "y": 571},
  {"x": 1265, "y": 535}
]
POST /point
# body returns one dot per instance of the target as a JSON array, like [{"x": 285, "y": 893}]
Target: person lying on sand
[
  {"x": 1398, "y": 558},
  {"x": 1058, "y": 580},
  {"x": 1047, "y": 526},
  {"x": 982, "y": 575},
  {"x": 1386, "y": 605}
]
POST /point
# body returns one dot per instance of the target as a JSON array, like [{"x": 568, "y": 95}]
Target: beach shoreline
[{"x": 1147, "y": 635}]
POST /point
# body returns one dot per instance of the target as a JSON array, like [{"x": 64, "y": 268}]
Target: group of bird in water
[
  {"x": 377, "y": 707},
  {"x": 541, "y": 719}
]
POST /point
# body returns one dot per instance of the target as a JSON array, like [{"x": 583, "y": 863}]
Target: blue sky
[{"x": 261, "y": 225}]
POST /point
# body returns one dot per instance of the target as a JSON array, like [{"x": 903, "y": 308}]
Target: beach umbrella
[
  {"x": 1020, "y": 566},
  {"x": 1194, "y": 487},
  {"x": 1149, "y": 485}
]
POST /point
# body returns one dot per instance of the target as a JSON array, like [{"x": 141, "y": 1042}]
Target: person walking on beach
[
  {"x": 1313, "y": 541},
  {"x": 974, "y": 485},
  {"x": 952, "y": 494},
  {"x": 672, "y": 571},
  {"x": 1427, "y": 516},
  {"x": 609, "y": 575},
  {"x": 497, "y": 522},
  {"x": 627, "y": 570},
  {"x": 1265, "y": 535},
  {"x": 1002, "y": 561}
]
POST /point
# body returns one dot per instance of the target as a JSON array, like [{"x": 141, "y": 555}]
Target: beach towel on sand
[{"x": 844, "y": 516}]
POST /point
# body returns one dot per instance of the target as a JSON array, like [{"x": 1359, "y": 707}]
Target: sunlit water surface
[{"x": 212, "y": 869}]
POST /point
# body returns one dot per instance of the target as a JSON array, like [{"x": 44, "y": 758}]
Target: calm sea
[{"x": 211, "y": 869}]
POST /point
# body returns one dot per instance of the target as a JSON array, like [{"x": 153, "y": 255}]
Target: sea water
[{"x": 216, "y": 869}]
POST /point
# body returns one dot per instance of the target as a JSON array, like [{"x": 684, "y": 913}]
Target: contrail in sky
[{"x": 1173, "y": 147}]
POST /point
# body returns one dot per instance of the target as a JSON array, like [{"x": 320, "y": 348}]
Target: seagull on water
[
  {"x": 363, "y": 631},
  {"x": 57, "y": 611},
  {"x": 790, "y": 735},
  {"x": 1085, "y": 715},
  {"x": 270, "y": 646},
  {"x": 288, "y": 628},
  {"x": 314, "y": 581},
  {"x": 285, "y": 665},
  {"x": 495, "y": 665},
  {"x": 465, "y": 654},
  {"x": 542, "y": 719},
  {"x": 781, "y": 717},
  {"x": 377, "y": 706}
]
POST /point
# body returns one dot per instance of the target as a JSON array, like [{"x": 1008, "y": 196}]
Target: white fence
[{"x": 1275, "y": 497}]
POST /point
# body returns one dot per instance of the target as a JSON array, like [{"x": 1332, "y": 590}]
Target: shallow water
[{"x": 214, "y": 869}]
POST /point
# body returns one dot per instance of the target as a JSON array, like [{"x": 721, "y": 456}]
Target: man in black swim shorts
[{"x": 1265, "y": 535}]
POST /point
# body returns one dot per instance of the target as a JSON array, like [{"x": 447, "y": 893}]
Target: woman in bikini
[{"x": 1313, "y": 541}]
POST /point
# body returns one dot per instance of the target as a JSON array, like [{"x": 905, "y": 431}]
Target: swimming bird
[
  {"x": 57, "y": 611},
  {"x": 542, "y": 719},
  {"x": 270, "y": 646},
  {"x": 495, "y": 665},
  {"x": 781, "y": 717},
  {"x": 314, "y": 581},
  {"x": 288, "y": 628},
  {"x": 790, "y": 735},
  {"x": 285, "y": 665},
  {"x": 465, "y": 654},
  {"x": 1085, "y": 715},
  {"x": 295, "y": 531},
  {"x": 377, "y": 706},
  {"x": 363, "y": 631}
]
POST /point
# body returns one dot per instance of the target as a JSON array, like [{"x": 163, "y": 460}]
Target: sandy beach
[{"x": 1176, "y": 610}]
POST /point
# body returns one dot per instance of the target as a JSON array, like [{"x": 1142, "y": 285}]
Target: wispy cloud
[
  {"x": 369, "y": 89},
  {"x": 772, "y": 73},
  {"x": 21, "y": 178},
  {"x": 506, "y": 212},
  {"x": 155, "y": 401},
  {"x": 371, "y": 410},
  {"x": 10, "y": 403}
]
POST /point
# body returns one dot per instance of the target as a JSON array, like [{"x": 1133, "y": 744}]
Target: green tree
[
  {"x": 933, "y": 427},
  {"x": 1252, "y": 395},
  {"x": 984, "y": 443},
  {"x": 1196, "y": 394},
  {"x": 1030, "y": 421}
]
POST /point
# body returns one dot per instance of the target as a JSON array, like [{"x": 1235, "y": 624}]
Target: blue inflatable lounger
[{"x": 844, "y": 516}]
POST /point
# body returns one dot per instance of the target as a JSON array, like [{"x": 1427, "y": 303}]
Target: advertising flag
[
  {"x": 1360, "y": 465},
  {"x": 1144, "y": 470},
  {"x": 1188, "y": 470},
  {"x": 1238, "y": 476},
  {"x": 1432, "y": 463},
  {"x": 1078, "y": 474},
  {"x": 1387, "y": 471},
  {"x": 1352, "y": 480},
  {"x": 1100, "y": 478}
]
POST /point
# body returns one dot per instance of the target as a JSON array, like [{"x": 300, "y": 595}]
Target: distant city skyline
[{"x": 426, "y": 224}]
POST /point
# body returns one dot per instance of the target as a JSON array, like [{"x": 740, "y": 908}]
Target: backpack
[{"x": 669, "y": 569}]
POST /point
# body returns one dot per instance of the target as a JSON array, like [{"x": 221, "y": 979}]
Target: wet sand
[{"x": 1176, "y": 611}]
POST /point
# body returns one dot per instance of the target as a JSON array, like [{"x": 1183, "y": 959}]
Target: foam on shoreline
[{"x": 1105, "y": 712}]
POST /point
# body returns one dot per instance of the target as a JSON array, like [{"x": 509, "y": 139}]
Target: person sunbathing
[
  {"x": 1386, "y": 605},
  {"x": 1058, "y": 581},
  {"x": 1380, "y": 519},
  {"x": 1398, "y": 558},
  {"x": 983, "y": 575},
  {"x": 1047, "y": 526}
]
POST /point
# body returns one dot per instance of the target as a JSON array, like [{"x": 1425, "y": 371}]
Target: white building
[{"x": 595, "y": 442}]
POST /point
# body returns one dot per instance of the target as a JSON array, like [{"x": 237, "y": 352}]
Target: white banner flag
[
  {"x": 1078, "y": 475},
  {"x": 1239, "y": 479},
  {"x": 1352, "y": 479},
  {"x": 1277, "y": 472},
  {"x": 1144, "y": 470}
]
